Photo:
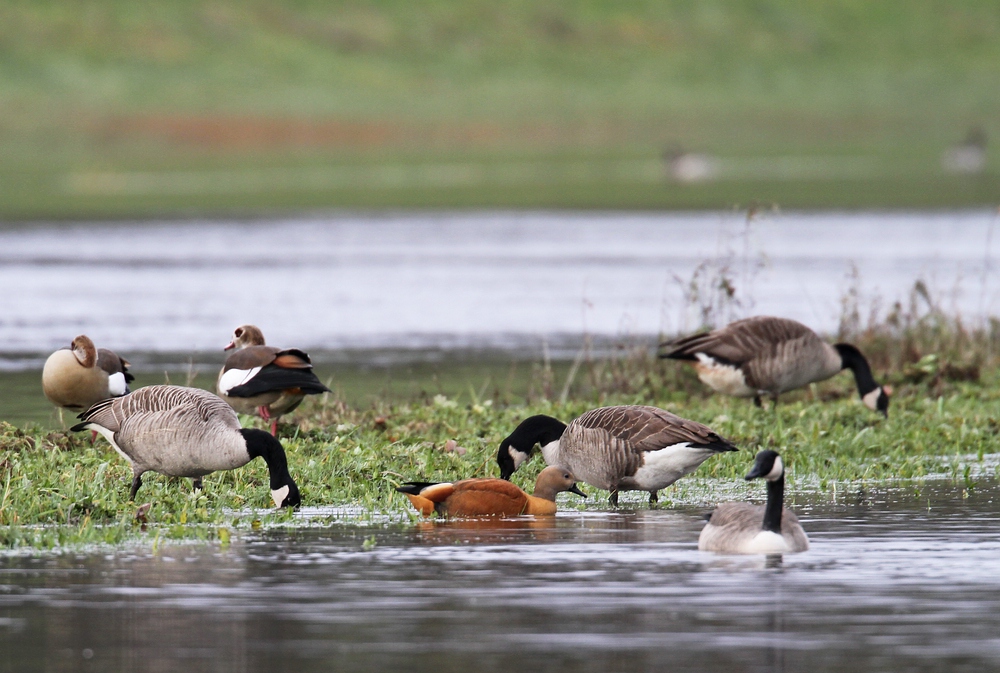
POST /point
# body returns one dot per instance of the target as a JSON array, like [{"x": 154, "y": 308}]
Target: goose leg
[
  {"x": 653, "y": 497},
  {"x": 136, "y": 483},
  {"x": 756, "y": 401},
  {"x": 614, "y": 498},
  {"x": 196, "y": 483},
  {"x": 274, "y": 427}
]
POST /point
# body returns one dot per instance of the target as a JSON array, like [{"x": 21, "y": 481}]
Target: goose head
[
  {"x": 520, "y": 444},
  {"x": 284, "y": 490},
  {"x": 878, "y": 400},
  {"x": 554, "y": 480},
  {"x": 246, "y": 335},
  {"x": 84, "y": 350},
  {"x": 767, "y": 465}
]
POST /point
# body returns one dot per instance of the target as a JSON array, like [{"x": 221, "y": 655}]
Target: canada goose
[
  {"x": 742, "y": 528},
  {"x": 80, "y": 375},
  {"x": 769, "y": 356},
  {"x": 186, "y": 432},
  {"x": 490, "y": 497},
  {"x": 265, "y": 380},
  {"x": 627, "y": 448}
]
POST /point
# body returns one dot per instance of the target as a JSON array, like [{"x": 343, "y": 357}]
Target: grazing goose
[
  {"x": 80, "y": 375},
  {"x": 490, "y": 497},
  {"x": 265, "y": 380},
  {"x": 769, "y": 356},
  {"x": 742, "y": 528},
  {"x": 628, "y": 448},
  {"x": 186, "y": 432}
]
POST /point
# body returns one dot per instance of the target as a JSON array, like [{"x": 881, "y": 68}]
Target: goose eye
[{"x": 239, "y": 331}]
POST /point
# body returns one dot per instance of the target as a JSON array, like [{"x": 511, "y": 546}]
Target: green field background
[{"x": 115, "y": 108}]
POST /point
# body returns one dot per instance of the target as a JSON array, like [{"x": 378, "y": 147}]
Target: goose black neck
[
  {"x": 539, "y": 430},
  {"x": 775, "y": 504},
  {"x": 852, "y": 359},
  {"x": 264, "y": 445}
]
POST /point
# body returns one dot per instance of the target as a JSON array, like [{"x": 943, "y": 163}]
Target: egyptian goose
[
  {"x": 490, "y": 497},
  {"x": 186, "y": 432},
  {"x": 626, "y": 448},
  {"x": 80, "y": 375},
  {"x": 769, "y": 356},
  {"x": 742, "y": 528},
  {"x": 263, "y": 380}
]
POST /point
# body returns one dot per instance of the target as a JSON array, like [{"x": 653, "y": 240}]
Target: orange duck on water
[
  {"x": 264, "y": 380},
  {"x": 491, "y": 497}
]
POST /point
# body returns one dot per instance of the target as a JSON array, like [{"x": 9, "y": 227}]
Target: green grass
[
  {"x": 117, "y": 109},
  {"x": 58, "y": 489}
]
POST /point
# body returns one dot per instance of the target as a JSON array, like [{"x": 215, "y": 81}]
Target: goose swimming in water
[
  {"x": 490, "y": 497},
  {"x": 186, "y": 432},
  {"x": 624, "y": 448},
  {"x": 769, "y": 356},
  {"x": 742, "y": 528},
  {"x": 263, "y": 380}
]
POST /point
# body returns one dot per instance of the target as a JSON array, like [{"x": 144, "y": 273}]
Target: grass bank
[
  {"x": 112, "y": 109},
  {"x": 58, "y": 489}
]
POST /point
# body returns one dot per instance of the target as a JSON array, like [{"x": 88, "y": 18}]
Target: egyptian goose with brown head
[
  {"x": 80, "y": 375},
  {"x": 491, "y": 497},
  {"x": 264, "y": 380}
]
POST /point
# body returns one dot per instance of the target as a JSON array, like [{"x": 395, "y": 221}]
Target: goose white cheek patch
[
  {"x": 117, "y": 385},
  {"x": 517, "y": 456},
  {"x": 776, "y": 470},
  {"x": 236, "y": 377},
  {"x": 871, "y": 399},
  {"x": 279, "y": 495}
]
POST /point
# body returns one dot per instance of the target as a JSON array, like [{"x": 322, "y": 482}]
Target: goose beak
[
  {"x": 232, "y": 344},
  {"x": 576, "y": 489}
]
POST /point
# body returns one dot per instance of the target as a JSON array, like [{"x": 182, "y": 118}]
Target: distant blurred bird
[
  {"x": 263, "y": 380},
  {"x": 490, "y": 497},
  {"x": 968, "y": 157},
  {"x": 682, "y": 166},
  {"x": 79, "y": 375},
  {"x": 764, "y": 355}
]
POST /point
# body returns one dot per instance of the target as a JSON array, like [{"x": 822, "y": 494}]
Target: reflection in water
[{"x": 906, "y": 581}]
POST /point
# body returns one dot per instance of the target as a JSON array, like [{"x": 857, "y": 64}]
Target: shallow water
[
  {"x": 505, "y": 280},
  {"x": 900, "y": 580}
]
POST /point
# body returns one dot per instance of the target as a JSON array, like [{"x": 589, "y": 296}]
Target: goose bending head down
[
  {"x": 742, "y": 528},
  {"x": 623, "y": 448},
  {"x": 82, "y": 374},
  {"x": 263, "y": 380},
  {"x": 186, "y": 432},
  {"x": 765, "y": 355},
  {"x": 491, "y": 497}
]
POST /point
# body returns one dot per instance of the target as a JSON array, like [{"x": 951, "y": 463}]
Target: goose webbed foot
[
  {"x": 136, "y": 483},
  {"x": 614, "y": 498},
  {"x": 196, "y": 483}
]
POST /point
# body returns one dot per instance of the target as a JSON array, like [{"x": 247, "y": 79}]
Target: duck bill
[{"x": 576, "y": 489}]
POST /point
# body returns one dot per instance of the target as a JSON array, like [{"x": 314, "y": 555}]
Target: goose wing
[
  {"x": 739, "y": 342},
  {"x": 650, "y": 429},
  {"x": 262, "y": 369},
  {"x": 486, "y": 497}
]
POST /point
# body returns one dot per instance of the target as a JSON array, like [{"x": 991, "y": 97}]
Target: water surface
[
  {"x": 900, "y": 580},
  {"x": 508, "y": 280}
]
